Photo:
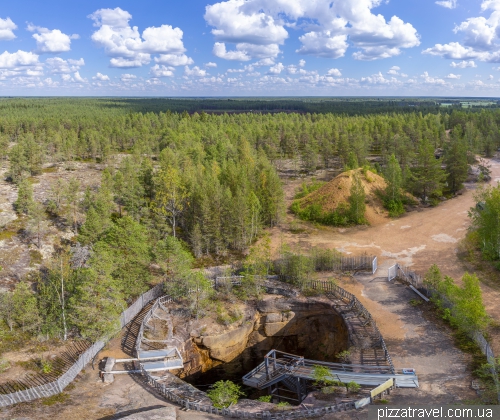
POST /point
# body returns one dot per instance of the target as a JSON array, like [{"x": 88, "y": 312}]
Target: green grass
[
  {"x": 35, "y": 257},
  {"x": 6, "y": 235},
  {"x": 56, "y": 399}
]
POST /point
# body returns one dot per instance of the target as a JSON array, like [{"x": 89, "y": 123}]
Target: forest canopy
[{"x": 176, "y": 186}]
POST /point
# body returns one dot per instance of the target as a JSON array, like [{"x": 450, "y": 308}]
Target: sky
[{"x": 250, "y": 48}]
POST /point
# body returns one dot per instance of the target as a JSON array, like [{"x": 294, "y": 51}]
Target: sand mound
[{"x": 337, "y": 191}]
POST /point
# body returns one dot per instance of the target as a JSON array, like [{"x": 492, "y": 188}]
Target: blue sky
[{"x": 250, "y": 47}]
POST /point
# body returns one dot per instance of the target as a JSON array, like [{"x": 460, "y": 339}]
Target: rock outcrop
[{"x": 308, "y": 327}]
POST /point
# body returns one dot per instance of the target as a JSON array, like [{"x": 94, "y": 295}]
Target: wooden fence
[
  {"x": 57, "y": 386},
  {"x": 365, "y": 263}
]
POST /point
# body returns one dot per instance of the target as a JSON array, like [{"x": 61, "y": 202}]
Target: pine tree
[
  {"x": 394, "y": 178},
  {"x": 357, "y": 198},
  {"x": 24, "y": 197},
  {"x": 455, "y": 158},
  {"x": 25, "y": 308},
  {"x": 38, "y": 221},
  {"x": 427, "y": 177}
]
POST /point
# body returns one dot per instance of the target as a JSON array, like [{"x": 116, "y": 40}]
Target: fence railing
[
  {"x": 57, "y": 386},
  {"x": 355, "y": 303},
  {"x": 297, "y": 413},
  {"x": 417, "y": 281},
  {"x": 160, "y": 302}
]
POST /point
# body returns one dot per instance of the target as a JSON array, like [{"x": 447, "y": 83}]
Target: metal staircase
[{"x": 295, "y": 371}]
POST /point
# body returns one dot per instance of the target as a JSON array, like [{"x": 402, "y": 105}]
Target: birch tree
[{"x": 171, "y": 196}]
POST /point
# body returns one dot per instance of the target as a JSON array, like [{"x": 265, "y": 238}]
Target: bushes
[
  {"x": 486, "y": 221},
  {"x": 224, "y": 393},
  {"x": 306, "y": 189},
  {"x": 462, "y": 306},
  {"x": 314, "y": 213}
]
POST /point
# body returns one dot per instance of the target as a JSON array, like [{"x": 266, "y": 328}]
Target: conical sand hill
[{"x": 337, "y": 191}]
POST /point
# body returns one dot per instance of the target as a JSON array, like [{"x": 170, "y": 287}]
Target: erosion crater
[{"x": 309, "y": 327}]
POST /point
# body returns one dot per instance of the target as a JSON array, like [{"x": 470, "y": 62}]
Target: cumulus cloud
[
  {"x": 323, "y": 44},
  {"x": 174, "y": 60},
  {"x": 58, "y": 65},
  {"x": 453, "y": 76},
  {"x": 334, "y": 72},
  {"x": 394, "y": 70},
  {"x": 195, "y": 71},
  {"x": 162, "y": 71},
  {"x": 480, "y": 37},
  {"x": 19, "y": 58},
  {"x": 7, "y": 28},
  {"x": 101, "y": 77},
  {"x": 449, "y": 4},
  {"x": 431, "y": 80},
  {"x": 276, "y": 69},
  {"x": 76, "y": 78},
  {"x": 210, "y": 64},
  {"x": 463, "y": 64},
  {"x": 330, "y": 28},
  {"x": 127, "y": 77},
  {"x": 128, "y": 48},
  {"x": 51, "y": 41}
]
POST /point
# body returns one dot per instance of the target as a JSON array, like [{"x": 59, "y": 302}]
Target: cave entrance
[{"x": 314, "y": 332}]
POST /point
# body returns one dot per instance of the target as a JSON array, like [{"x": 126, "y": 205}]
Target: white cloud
[
  {"x": 162, "y": 71},
  {"x": 237, "y": 22},
  {"x": 377, "y": 79},
  {"x": 195, "y": 71},
  {"x": 330, "y": 28},
  {"x": 394, "y": 70},
  {"x": 431, "y": 80},
  {"x": 174, "y": 60},
  {"x": 210, "y": 64},
  {"x": 276, "y": 69},
  {"x": 101, "y": 77},
  {"x": 480, "y": 37},
  {"x": 126, "y": 77},
  {"x": 19, "y": 58},
  {"x": 7, "y": 28},
  {"x": 51, "y": 41},
  {"x": 79, "y": 78},
  {"x": 128, "y": 48},
  {"x": 220, "y": 51},
  {"x": 334, "y": 72},
  {"x": 490, "y": 77},
  {"x": 58, "y": 65},
  {"x": 463, "y": 64},
  {"x": 323, "y": 44},
  {"x": 453, "y": 76},
  {"x": 449, "y": 4},
  {"x": 302, "y": 63}
]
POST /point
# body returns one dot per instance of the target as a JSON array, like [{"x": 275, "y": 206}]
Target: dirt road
[{"x": 418, "y": 239}]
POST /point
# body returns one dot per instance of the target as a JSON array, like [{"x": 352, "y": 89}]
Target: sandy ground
[{"x": 418, "y": 239}]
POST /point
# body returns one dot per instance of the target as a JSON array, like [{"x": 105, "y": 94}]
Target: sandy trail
[{"x": 418, "y": 239}]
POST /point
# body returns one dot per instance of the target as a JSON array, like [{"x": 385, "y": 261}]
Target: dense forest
[{"x": 178, "y": 186}]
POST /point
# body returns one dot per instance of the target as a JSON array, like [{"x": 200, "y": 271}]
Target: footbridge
[{"x": 294, "y": 372}]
